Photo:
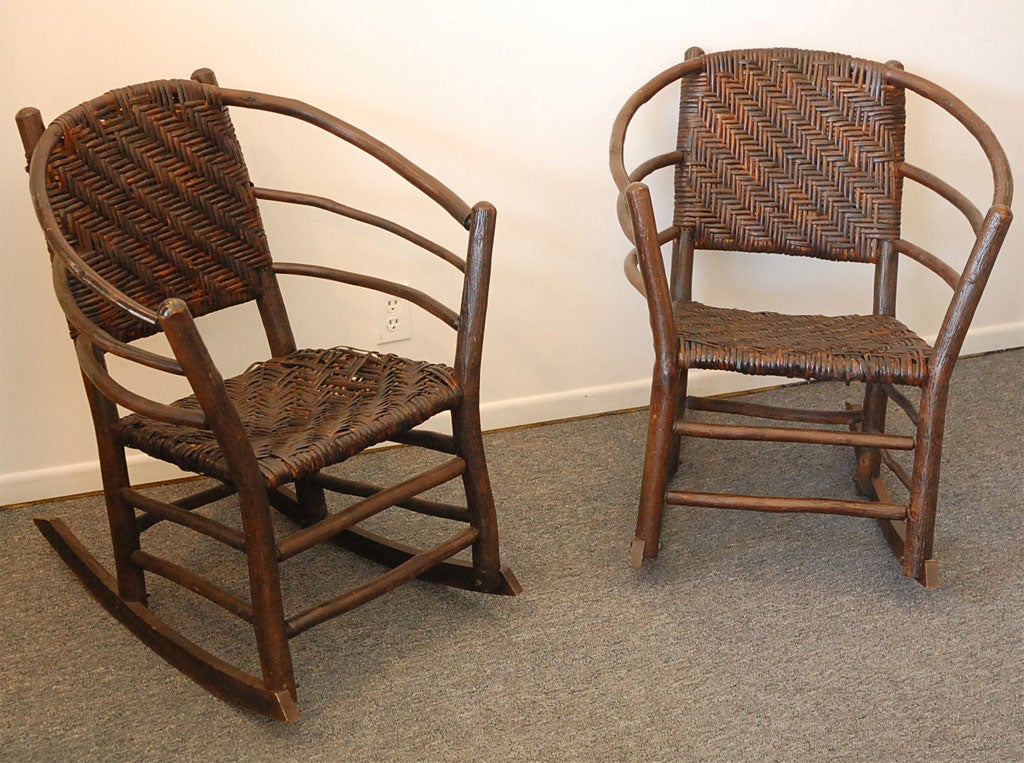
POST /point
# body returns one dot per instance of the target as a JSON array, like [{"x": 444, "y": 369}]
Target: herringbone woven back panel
[
  {"x": 149, "y": 185},
  {"x": 790, "y": 151}
]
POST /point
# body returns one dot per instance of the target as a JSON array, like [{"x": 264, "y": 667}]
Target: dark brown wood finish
[
  {"x": 784, "y": 197},
  {"x": 318, "y": 406}
]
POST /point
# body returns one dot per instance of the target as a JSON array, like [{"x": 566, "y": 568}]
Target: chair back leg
[
  {"x": 311, "y": 499},
  {"x": 124, "y": 531},
  {"x": 869, "y": 460}
]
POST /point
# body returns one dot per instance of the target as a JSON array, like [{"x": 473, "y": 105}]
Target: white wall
[{"x": 506, "y": 101}]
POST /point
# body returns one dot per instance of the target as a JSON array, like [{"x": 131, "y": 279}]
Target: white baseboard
[
  {"x": 587, "y": 401},
  {"x": 1003, "y": 336},
  {"x": 71, "y": 479}
]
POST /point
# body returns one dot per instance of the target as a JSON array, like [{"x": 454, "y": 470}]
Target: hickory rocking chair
[
  {"x": 151, "y": 221},
  {"x": 802, "y": 153}
]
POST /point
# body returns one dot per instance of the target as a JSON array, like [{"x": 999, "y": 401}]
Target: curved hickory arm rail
[
  {"x": 100, "y": 338},
  {"x": 629, "y": 109},
  {"x": 425, "y": 182},
  {"x": 620, "y": 175},
  {"x": 104, "y": 382},
  {"x": 930, "y": 261},
  {"x": 321, "y": 202},
  {"x": 417, "y": 297},
  {"x": 946, "y": 191},
  {"x": 655, "y": 163},
  {"x": 1002, "y": 180}
]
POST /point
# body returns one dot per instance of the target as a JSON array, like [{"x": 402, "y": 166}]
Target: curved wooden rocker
[
  {"x": 151, "y": 220},
  {"x": 800, "y": 152}
]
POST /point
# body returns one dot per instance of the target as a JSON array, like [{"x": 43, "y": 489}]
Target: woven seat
[
  {"x": 797, "y": 152},
  {"x": 308, "y": 410},
  {"x": 152, "y": 220},
  {"x": 866, "y": 348}
]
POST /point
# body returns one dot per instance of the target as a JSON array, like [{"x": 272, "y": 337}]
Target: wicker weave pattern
[
  {"x": 790, "y": 151},
  {"x": 872, "y": 348},
  {"x": 308, "y": 410},
  {"x": 149, "y": 185}
]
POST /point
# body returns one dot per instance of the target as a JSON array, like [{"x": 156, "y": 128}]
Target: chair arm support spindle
[
  {"x": 329, "y": 205},
  {"x": 652, "y": 269},
  {"x": 968, "y": 291}
]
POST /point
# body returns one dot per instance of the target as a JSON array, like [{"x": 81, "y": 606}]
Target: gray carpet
[{"x": 752, "y": 637}]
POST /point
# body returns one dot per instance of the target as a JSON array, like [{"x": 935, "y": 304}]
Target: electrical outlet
[{"x": 396, "y": 320}]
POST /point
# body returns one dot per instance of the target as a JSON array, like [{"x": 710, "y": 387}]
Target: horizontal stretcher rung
[
  {"x": 381, "y": 585},
  {"x": 327, "y": 528},
  {"x": 793, "y": 434},
  {"x": 191, "y": 502},
  {"x": 186, "y": 578},
  {"x": 718, "y": 405},
  {"x": 197, "y": 522},
  {"x": 873, "y": 509},
  {"x": 424, "y": 438},
  {"x": 430, "y": 508}
]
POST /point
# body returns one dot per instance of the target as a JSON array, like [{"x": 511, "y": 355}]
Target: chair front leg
[
  {"x": 265, "y": 588},
  {"x": 260, "y": 547},
  {"x": 479, "y": 496},
  {"x": 665, "y": 394},
  {"x": 924, "y": 488},
  {"x": 673, "y": 453}
]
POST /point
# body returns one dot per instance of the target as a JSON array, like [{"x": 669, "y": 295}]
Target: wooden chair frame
[
  {"x": 124, "y": 595},
  {"x": 909, "y": 529}
]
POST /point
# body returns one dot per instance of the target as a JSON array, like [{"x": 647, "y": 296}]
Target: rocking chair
[{"x": 151, "y": 221}]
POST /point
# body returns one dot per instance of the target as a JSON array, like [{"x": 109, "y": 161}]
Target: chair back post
[
  {"x": 682, "y": 248},
  {"x": 886, "y": 261},
  {"x": 269, "y": 301},
  {"x": 875, "y": 399},
  {"x": 31, "y": 128},
  {"x": 473, "y": 310},
  {"x": 274, "y": 315},
  {"x": 886, "y": 266},
  {"x": 204, "y": 75},
  {"x": 682, "y": 266}
]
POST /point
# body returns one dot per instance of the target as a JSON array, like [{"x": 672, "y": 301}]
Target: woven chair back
[
  {"x": 149, "y": 185},
  {"x": 790, "y": 151}
]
